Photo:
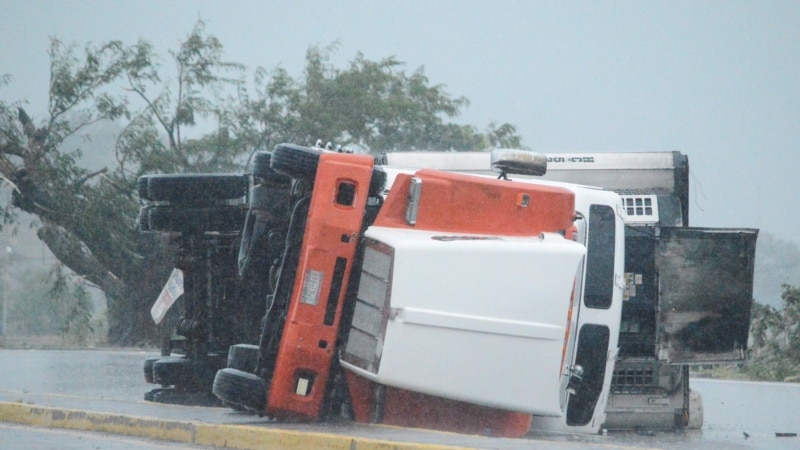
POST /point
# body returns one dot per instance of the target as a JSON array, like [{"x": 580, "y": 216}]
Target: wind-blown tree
[
  {"x": 777, "y": 263},
  {"x": 80, "y": 217},
  {"x": 775, "y": 336},
  {"x": 370, "y": 105},
  {"x": 88, "y": 217}
]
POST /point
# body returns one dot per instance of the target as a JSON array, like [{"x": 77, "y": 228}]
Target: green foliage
[
  {"x": 75, "y": 81},
  {"x": 51, "y": 303},
  {"x": 774, "y": 353},
  {"x": 370, "y": 105},
  {"x": 73, "y": 299},
  {"x": 31, "y": 310},
  {"x": 201, "y": 75},
  {"x": 777, "y": 263}
]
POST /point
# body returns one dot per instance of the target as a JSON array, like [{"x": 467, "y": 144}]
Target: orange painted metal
[
  {"x": 404, "y": 408},
  {"x": 308, "y": 343},
  {"x": 467, "y": 204}
]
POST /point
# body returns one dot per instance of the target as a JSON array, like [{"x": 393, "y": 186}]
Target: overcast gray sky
[{"x": 717, "y": 80}]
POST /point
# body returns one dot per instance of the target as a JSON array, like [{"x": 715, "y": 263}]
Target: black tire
[
  {"x": 220, "y": 218},
  {"x": 184, "y": 372},
  {"x": 194, "y": 188},
  {"x": 265, "y": 175},
  {"x": 197, "y": 374},
  {"x": 296, "y": 161},
  {"x": 243, "y": 357},
  {"x": 239, "y": 389},
  {"x": 148, "y": 369},
  {"x": 261, "y": 164}
]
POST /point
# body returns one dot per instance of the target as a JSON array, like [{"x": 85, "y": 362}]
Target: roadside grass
[{"x": 721, "y": 372}]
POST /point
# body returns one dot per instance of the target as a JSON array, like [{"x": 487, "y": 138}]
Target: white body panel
[
  {"x": 584, "y": 198},
  {"x": 480, "y": 161},
  {"x": 654, "y": 171},
  {"x": 544, "y": 397},
  {"x": 478, "y": 320}
]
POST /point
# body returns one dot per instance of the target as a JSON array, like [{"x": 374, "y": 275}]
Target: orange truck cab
[
  {"x": 449, "y": 302},
  {"x": 300, "y": 330}
]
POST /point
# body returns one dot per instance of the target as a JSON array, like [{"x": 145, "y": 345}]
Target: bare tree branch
[
  {"x": 82, "y": 180},
  {"x": 78, "y": 258}
]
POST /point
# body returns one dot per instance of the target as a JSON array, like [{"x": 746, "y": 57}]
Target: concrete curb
[{"x": 223, "y": 436}]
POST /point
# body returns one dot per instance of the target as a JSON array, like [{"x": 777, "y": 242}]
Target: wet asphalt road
[
  {"x": 112, "y": 380},
  {"x": 14, "y": 436}
]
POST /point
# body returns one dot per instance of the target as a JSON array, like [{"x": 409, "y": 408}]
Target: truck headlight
[{"x": 371, "y": 313}]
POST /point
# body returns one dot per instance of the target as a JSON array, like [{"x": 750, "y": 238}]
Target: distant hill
[{"x": 777, "y": 262}]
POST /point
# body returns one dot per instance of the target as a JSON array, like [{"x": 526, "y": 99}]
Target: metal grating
[
  {"x": 633, "y": 376},
  {"x": 365, "y": 342}
]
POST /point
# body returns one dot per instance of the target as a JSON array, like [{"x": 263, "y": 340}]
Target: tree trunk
[{"x": 128, "y": 300}]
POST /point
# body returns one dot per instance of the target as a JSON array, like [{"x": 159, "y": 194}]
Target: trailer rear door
[{"x": 705, "y": 280}]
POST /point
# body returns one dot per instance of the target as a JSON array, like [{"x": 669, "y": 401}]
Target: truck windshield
[{"x": 600, "y": 257}]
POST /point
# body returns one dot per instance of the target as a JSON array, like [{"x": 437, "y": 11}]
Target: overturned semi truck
[
  {"x": 400, "y": 291},
  {"x": 436, "y": 299}
]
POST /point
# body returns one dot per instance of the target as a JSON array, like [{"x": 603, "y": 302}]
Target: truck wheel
[
  {"x": 193, "y": 188},
  {"x": 220, "y": 218},
  {"x": 148, "y": 369},
  {"x": 239, "y": 389},
  {"x": 261, "y": 164},
  {"x": 265, "y": 174},
  {"x": 187, "y": 372},
  {"x": 243, "y": 357},
  {"x": 177, "y": 371},
  {"x": 296, "y": 161}
]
